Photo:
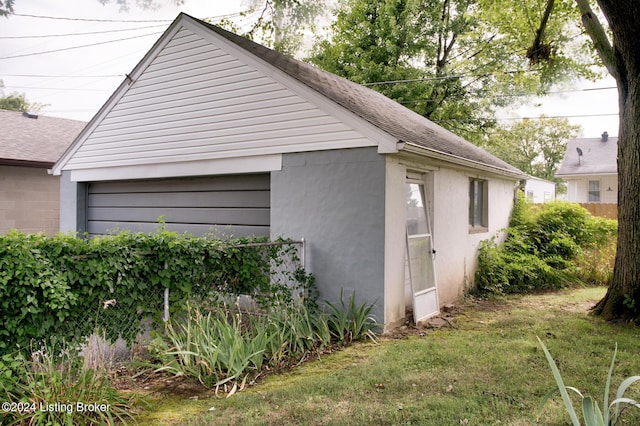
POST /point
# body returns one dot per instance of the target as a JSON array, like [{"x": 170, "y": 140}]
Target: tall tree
[
  {"x": 534, "y": 146},
  {"x": 621, "y": 56},
  {"x": 445, "y": 59},
  {"x": 618, "y": 48}
]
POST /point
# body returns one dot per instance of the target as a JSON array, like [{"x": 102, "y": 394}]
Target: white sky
[{"x": 75, "y": 83}]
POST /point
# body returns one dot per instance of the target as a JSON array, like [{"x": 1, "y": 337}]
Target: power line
[
  {"x": 63, "y": 76},
  {"x": 77, "y": 34},
  {"x": 77, "y": 47},
  {"x": 64, "y": 18},
  {"x": 59, "y": 88},
  {"x": 471, "y": 120}
]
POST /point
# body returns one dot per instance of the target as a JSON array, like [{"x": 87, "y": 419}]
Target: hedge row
[{"x": 54, "y": 286}]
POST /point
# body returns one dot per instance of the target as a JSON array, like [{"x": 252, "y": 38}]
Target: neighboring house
[
  {"x": 590, "y": 169},
  {"x": 539, "y": 191},
  {"x": 29, "y": 145},
  {"x": 215, "y": 132}
]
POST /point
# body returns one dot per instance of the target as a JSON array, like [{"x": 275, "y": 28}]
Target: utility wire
[
  {"x": 63, "y": 18},
  {"x": 78, "y": 34},
  {"x": 77, "y": 47},
  {"x": 471, "y": 120},
  {"x": 62, "y": 76}
]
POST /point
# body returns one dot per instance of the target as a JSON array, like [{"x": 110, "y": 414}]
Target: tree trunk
[{"x": 622, "y": 301}]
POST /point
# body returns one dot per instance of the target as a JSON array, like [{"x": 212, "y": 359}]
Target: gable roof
[
  {"x": 598, "y": 157},
  {"x": 379, "y": 110},
  {"x": 396, "y": 124},
  {"x": 36, "y": 141}
]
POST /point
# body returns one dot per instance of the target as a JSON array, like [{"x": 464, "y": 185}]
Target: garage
[{"x": 228, "y": 205}]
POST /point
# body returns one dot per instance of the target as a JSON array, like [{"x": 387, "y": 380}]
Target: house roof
[
  {"x": 412, "y": 131},
  {"x": 384, "y": 113},
  {"x": 32, "y": 140},
  {"x": 598, "y": 157}
]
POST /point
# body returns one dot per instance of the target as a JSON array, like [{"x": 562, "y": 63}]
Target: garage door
[{"x": 234, "y": 205}]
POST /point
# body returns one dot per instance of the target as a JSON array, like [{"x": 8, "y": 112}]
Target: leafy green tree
[
  {"x": 281, "y": 24},
  {"x": 17, "y": 101},
  {"x": 534, "y": 146},
  {"x": 448, "y": 60}
]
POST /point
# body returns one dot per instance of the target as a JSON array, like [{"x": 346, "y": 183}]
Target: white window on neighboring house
[
  {"x": 530, "y": 195},
  {"x": 594, "y": 190},
  {"x": 478, "y": 205}
]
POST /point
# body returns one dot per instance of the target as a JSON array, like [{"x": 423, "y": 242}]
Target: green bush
[
  {"x": 544, "y": 248},
  {"x": 59, "y": 286}
]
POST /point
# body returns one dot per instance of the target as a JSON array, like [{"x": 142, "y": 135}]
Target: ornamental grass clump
[
  {"x": 54, "y": 386},
  {"x": 226, "y": 348},
  {"x": 591, "y": 412}
]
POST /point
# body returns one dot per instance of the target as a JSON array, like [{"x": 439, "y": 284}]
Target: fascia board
[{"x": 460, "y": 162}]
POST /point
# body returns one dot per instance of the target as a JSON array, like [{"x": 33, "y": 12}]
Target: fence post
[
  {"x": 302, "y": 255},
  {"x": 165, "y": 315}
]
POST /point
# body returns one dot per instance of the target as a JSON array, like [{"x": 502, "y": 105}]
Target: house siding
[
  {"x": 29, "y": 200},
  {"x": 336, "y": 201},
  {"x": 236, "y": 205},
  {"x": 195, "y": 101},
  {"x": 578, "y": 189}
]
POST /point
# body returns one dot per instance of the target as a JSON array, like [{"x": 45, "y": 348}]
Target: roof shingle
[
  {"x": 35, "y": 140},
  {"x": 597, "y": 157}
]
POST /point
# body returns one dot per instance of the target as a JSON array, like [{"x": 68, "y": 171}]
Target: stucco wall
[
  {"x": 29, "y": 200},
  {"x": 457, "y": 248},
  {"x": 335, "y": 200}
]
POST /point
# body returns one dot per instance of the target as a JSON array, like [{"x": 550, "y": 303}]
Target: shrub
[{"x": 545, "y": 248}]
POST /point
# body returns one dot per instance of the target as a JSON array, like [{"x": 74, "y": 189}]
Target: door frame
[{"x": 425, "y": 302}]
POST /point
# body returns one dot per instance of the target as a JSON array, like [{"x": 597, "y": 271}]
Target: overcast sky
[{"x": 75, "y": 81}]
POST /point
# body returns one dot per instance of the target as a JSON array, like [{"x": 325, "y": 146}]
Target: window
[
  {"x": 594, "y": 190},
  {"x": 478, "y": 205}
]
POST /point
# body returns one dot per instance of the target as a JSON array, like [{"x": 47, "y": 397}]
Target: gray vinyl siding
[
  {"x": 196, "y": 101},
  {"x": 236, "y": 205}
]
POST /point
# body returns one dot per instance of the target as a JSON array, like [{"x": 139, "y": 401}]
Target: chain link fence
[{"x": 119, "y": 330}]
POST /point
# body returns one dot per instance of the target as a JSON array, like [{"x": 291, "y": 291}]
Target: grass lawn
[{"x": 487, "y": 369}]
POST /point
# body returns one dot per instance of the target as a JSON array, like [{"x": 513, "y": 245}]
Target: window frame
[
  {"x": 594, "y": 195},
  {"x": 478, "y": 214}
]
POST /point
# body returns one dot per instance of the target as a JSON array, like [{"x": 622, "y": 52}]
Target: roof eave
[
  {"x": 26, "y": 163},
  {"x": 460, "y": 161}
]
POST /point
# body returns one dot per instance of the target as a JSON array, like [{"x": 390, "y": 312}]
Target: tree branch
[{"x": 598, "y": 36}]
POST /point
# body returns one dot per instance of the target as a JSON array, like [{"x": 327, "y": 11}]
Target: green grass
[{"x": 488, "y": 370}]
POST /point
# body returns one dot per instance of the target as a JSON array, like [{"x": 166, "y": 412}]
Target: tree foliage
[
  {"x": 452, "y": 61},
  {"x": 15, "y": 101},
  {"x": 534, "y": 146}
]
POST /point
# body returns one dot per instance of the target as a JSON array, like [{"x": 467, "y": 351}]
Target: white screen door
[{"x": 420, "y": 254}]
